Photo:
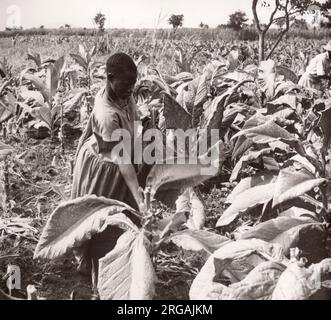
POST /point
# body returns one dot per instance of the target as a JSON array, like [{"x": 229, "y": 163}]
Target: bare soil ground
[{"x": 33, "y": 195}]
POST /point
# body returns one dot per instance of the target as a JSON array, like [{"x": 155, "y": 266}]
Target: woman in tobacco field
[{"x": 97, "y": 169}]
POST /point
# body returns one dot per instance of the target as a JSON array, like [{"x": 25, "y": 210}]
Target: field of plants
[{"x": 258, "y": 229}]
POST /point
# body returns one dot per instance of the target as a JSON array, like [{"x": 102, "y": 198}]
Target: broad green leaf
[
  {"x": 82, "y": 51},
  {"x": 252, "y": 69},
  {"x": 187, "y": 92},
  {"x": 38, "y": 84},
  {"x": 241, "y": 146},
  {"x": 5, "y": 150},
  {"x": 298, "y": 282},
  {"x": 47, "y": 62},
  {"x": 126, "y": 272},
  {"x": 286, "y": 87},
  {"x": 44, "y": 114},
  {"x": 305, "y": 162},
  {"x": 32, "y": 95},
  {"x": 56, "y": 112},
  {"x": 74, "y": 101},
  {"x": 245, "y": 160},
  {"x": 202, "y": 91},
  {"x": 181, "y": 60},
  {"x": 282, "y": 113},
  {"x": 243, "y": 143},
  {"x": 54, "y": 74},
  {"x": 93, "y": 51},
  {"x": 215, "y": 68},
  {"x": 169, "y": 179},
  {"x": 197, "y": 240},
  {"x": 270, "y": 164},
  {"x": 5, "y": 85},
  {"x": 5, "y": 112},
  {"x": 231, "y": 112},
  {"x": 248, "y": 199},
  {"x": 7, "y": 106},
  {"x": 164, "y": 178},
  {"x": 2, "y": 71},
  {"x": 265, "y": 133},
  {"x": 197, "y": 216},
  {"x": 325, "y": 125},
  {"x": 158, "y": 82},
  {"x": 259, "y": 283},
  {"x": 293, "y": 237},
  {"x": 175, "y": 222},
  {"x": 323, "y": 267},
  {"x": 279, "y": 146},
  {"x": 213, "y": 113},
  {"x": 79, "y": 60},
  {"x": 190, "y": 202},
  {"x": 175, "y": 115},
  {"x": 233, "y": 261},
  {"x": 237, "y": 258},
  {"x": 267, "y": 78},
  {"x": 34, "y": 56},
  {"x": 11, "y": 101},
  {"x": 76, "y": 221},
  {"x": 291, "y": 184},
  {"x": 170, "y": 79},
  {"x": 99, "y": 73},
  {"x": 288, "y": 74},
  {"x": 181, "y": 98},
  {"x": 298, "y": 213},
  {"x": 250, "y": 182},
  {"x": 184, "y": 76},
  {"x": 274, "y": 228},
  {"x": 289, "y": 100},
  {"x": 233, "y": 60}
]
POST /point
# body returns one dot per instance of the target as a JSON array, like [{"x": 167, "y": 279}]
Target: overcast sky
[{"x": 120, "y": 13}]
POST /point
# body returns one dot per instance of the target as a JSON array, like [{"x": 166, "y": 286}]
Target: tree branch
[
  {"x": 256, "y": 18},
  {"x": 290, "y": 14},
  {"x": 283, "y": 32},
  {"x": 271, "y": 19}
]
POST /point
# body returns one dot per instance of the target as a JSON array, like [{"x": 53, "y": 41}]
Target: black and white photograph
[{"x": 165, "y": 151}]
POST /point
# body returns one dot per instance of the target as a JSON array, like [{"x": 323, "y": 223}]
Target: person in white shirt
[{"x": 318, "y": 70}]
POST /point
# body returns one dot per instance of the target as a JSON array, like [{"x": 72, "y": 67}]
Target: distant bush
[
  {"x": 220, "y": 33},
  {"x": 51, "y": 32}
]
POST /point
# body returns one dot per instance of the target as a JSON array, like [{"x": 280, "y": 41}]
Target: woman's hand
[{"x": 130, "y": 177}]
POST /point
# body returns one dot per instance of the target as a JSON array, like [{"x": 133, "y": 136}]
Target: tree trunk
[
  {"x": 261, "y": 46},
  {"x": 280, "y": 37}
]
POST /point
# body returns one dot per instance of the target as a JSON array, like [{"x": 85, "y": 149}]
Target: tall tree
[
  {"x": 176, "y": 20},
  {"x": 100, "y": 20},
  {"x": 237, "y": 20},
  {"x": 279, "y": 9}
]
